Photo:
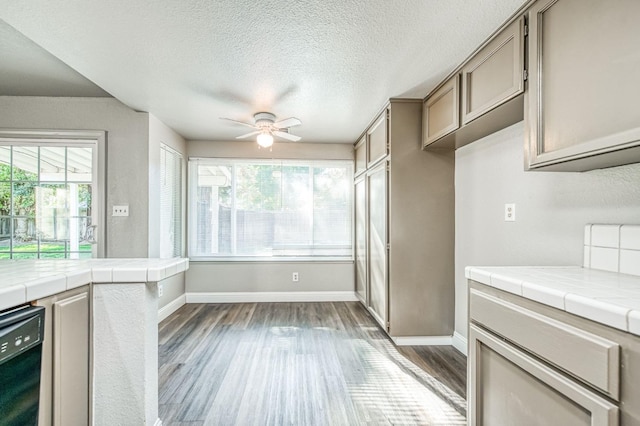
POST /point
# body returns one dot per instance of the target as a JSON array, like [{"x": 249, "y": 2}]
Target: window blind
[
  {"x": 244, "y": 208},
  {"x": 170, "y": 202}
]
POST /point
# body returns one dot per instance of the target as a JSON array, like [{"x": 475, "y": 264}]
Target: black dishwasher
[{"x": 21, "y": 335}]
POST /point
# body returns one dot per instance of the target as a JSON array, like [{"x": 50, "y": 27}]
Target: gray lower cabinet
[
  {"x": 512, "y": 387},
  {"x": 377, "y": 238},
  {"x": 65, "y": 383},
  {"x": 582, "y": 99},
  {"x": 530, "y": 364},
  {"x": 404, "y": 206}
]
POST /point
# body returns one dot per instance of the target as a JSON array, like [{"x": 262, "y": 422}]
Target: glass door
[{"x": 48, "y": 196}]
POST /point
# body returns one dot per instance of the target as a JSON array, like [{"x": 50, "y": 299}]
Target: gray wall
[
  {"x": 127, "y": 154},
  {"x": 173, "y": 287},
  {"x": 133, "y": 165},
  {"x": 269, "y": 276},
  {"x": 280, "y": 150},
  {"x": 551, "y": 208}
]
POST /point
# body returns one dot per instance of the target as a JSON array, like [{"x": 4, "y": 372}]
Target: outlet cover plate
[{"x": 510, "y": 212}]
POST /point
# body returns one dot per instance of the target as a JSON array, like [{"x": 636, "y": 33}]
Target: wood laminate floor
[{"x": 300, "y": 364}]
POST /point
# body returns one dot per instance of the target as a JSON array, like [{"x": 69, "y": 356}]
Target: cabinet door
[
  {"x": 361, "y": 156},
  {"x": 581, "y": 104},
  {"x": 441, "y": 112},
  {"x": 361, "y": 238},
  {"x": 377, "y": 139},
  {"x": 495, "y": 74},
  {"x": 378, "y": 262},
  {"x": 509, "y": 387},
  {"x": 71, "y": 360}
]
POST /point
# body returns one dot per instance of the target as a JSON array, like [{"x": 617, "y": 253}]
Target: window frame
[
  {"x": 192, "y": 170},
  {"x": 97, "y": 139}
]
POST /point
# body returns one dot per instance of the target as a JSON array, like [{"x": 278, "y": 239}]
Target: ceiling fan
[{"x": 266, "y": 127}]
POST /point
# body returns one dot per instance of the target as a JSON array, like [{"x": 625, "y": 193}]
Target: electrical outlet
[
  {"x": 295, "y": 277},
  {"x": 122, "y": 210},
  {"x": 509, "y": 212},
  {"x": 160, "y": 289}
]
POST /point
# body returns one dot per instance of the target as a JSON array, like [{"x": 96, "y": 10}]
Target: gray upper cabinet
[
  {"x": 441, "y": 112},
  {"x": 377, "y": 140},
  {"x": 360, "y": 156},
  {"x": 581, "y": 103},
  {"x": 495, "y": 74},
  {"x": 484, "y": 95}
]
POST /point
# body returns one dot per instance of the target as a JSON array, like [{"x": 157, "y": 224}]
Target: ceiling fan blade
[
  {"x": 287, "y": 122},
  {"x": 239, "y": 122},
  {"x": 287, "y": 136},
  {"x": 248, "y": 134}
]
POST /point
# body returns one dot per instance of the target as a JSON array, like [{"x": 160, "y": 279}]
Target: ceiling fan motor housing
[{"x": 264, "y": 119}]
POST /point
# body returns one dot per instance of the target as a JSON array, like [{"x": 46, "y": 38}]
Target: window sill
[{"x": 327, "y": 259}]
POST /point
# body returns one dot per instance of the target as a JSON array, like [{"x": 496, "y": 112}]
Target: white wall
[
  {"x": 551, "y": 209},
  {"x": 269, "y": 276},
  {"x": 127, "y": 154}
]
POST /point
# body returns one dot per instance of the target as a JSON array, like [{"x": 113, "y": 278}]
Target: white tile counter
[
  {"x": 24, "y": 281},
  {"x": 609, "y": 298}
]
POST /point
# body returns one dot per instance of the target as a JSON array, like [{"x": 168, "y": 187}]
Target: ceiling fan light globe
[{"x": 265, "y": 140}]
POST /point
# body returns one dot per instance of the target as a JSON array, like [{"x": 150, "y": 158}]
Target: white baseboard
[
  {"x": 361, "y": 299},
  {"x": 272, "y": 296},
  {"x": 422, "y": 340},
  {"x": 460, "y": 343},
  {"x": 170, "y": 308}
]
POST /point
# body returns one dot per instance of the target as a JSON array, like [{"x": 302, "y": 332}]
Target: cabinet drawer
[
  {"x": 495, "y": 74},
  {"x": 441, "y": 112},
  {"x": 507, "y": 386},
  {"x": 590, "y": 358}
]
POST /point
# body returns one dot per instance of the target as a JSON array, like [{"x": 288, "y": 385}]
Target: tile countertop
[
  {"x": 23, "y": 281},
  {"x": 609, "y": 298}
]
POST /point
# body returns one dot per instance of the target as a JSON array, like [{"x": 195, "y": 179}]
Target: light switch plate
[
  {"x": 121, "y": 210},
  {"x": 510, "y": 212}
]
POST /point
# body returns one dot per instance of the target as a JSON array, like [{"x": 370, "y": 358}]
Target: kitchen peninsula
[{"x": 100, "y": 325}]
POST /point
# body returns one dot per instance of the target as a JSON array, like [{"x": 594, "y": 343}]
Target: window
[
  {"x": 270, "y": 209},
  {"x": 47, "y": 195},
  {"x": 170, "y": 202}
]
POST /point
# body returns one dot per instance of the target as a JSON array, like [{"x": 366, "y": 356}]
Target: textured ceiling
[
  {"x": 26, "y": 69},
  {"x": 331, "y": 63}
]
